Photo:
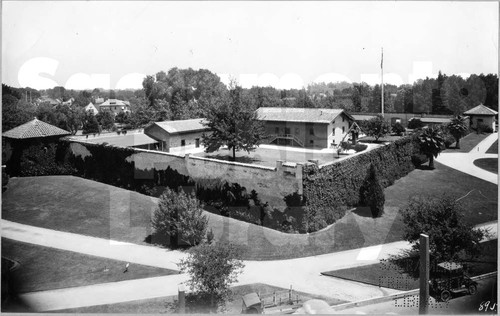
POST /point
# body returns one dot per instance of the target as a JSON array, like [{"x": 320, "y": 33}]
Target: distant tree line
[{"x": 187, "y": 93}]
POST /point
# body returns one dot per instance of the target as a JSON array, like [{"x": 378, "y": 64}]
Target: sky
[{"x": 113, "y": 45}]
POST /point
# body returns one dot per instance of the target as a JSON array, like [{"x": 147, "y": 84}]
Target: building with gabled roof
[
  {"x": 91, "y": 107},
  {"x": 305, "y": 127},
  {"x": 482, "y": 114},
  {"x": 178, "y": 136},
  {"x": 115, "y": 106}
]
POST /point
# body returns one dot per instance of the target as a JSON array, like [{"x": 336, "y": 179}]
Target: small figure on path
[{"x": 126, "y": 267}]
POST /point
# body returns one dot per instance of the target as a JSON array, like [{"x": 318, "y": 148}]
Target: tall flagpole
[{"x": 382, "y": 71}]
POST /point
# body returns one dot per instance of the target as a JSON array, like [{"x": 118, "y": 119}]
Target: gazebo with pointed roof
[
  {"x": 482, "y": 114},
  {"x": 33, "y": 134},
  {"x": 35, "y": 129}
]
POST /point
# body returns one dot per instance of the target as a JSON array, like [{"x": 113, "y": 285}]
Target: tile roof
[
  {"x": 35, "y": 129},
  {"x": 481, "y": 110},
  {"x": 182, "y": 126},
  {"x": 308, "y": 115}
]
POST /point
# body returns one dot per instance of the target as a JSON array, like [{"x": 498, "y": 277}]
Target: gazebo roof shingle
[{"x": 35, "y": 129}]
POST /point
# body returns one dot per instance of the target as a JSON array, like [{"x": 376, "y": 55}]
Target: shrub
[
  {"x": 398, "y": 129},
  {"x": 180, "y": 216},
  {"x": 42, "y": 159},
  {"x": 346, "y": 145},
  {"x": 483, "y": 128},
  {"x": 372, "y": 193},
  {"x": 419, "y": 159},
  {"x": 360, "y": 147},
  {"x": 376, "y": 127},
  {"x": 415, "y": 123},
  {"x": 448, "y": 140}
]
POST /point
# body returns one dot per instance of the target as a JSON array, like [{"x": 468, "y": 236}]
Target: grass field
[
  {"x": 86, "y": 207},
  {"x": 488, "y": 164},
  {"x": 493, "y": 149},
  {"x": 467, "y": 143},
  {"x": 268, "y": 157},
  {"x": 43, "y": 268},
  {"x": 167, "y": 304},
  {"x": 402, "y": 274}
]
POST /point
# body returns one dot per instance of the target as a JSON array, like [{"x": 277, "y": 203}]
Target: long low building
[
  {"x": 305, "y": 127},
  {"x": 177, "y": 136}
]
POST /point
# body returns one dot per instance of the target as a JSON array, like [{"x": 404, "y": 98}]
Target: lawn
[
  {"x": 493, "y": 149},
  {"x": 268, "y": 157},
  {"x": 488, "y": 164},
  {"x": 402, "y": 274},
  {"x": 83, "y": 206},
  {"x": 42, "y": 268},
  {"x": 467, "y": 143},
  {"x": 168, "y": 304}
]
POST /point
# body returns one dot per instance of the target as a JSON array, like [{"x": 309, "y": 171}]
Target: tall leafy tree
[
  {"x": 106, "y": 120},
  {"x": 442, "y": 219},
  {"x": 458, "y": 128},
  {"x": 212, "y": 269},
  {"x": 431, "y": 143},
  {"x": 234, "y": 124},
  {"x": 90, "y": 124}
]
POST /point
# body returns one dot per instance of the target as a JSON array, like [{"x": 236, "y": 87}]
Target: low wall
[{"x": 271, "y": 184}]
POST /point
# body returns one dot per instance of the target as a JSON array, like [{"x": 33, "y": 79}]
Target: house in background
[
  {"x": 305, "y": 127},
  {"x": 115, "y": 106},
  {"x": 482, "y": 114},
  {"x": 178, "y": 136},
  {"x": 98, "y": 101},
  {"x": 91, "y": 107}
]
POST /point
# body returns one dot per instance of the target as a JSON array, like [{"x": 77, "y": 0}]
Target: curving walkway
[
  {"x": 464, "y": 162},
  {"x": 302, "y": 273}
]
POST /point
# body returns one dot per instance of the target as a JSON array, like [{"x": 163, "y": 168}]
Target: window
[
  {"x": 197, "y": 143},
  {"x": 287, "y": 130},
  {"x": 343, "y": 119},
  {"x": 277, "y": 130},
  {"x": 183, "y": 142},
  {"x": 343, "y": 129},
  {"x": 297, "y": 131},
  {"x": 311, "y": 131},
  {"x": 311, "y": 142},
  {"x": 333, "y": 131}
]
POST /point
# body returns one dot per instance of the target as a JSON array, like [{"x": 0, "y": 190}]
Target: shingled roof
[
  {"x": 182, "y": 126},
  {"x": 481, "y": 110},
  {"x": 35, "y": 129},
  {"x": 307, "y": 115}
]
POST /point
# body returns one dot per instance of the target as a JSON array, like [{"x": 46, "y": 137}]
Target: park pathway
[
  {"x": 464, "y": 162},
  {"x": 302, "y": 273}
]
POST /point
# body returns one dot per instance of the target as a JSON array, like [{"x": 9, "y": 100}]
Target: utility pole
[
  {"x": 382, "y": 71},
  {"x": 423, "y": 307}
]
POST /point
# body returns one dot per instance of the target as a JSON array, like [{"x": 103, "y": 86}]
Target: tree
[
  {"x": 372, "y": 193},
  {"x": 212, "y": 268},
  {"x": 376, "y": 127},
  {"x": 398, "y": 128},
  {"x": 443, "y": 221},
  {"x": 233, "y": 123},
  {"x": 106, "y": 120},
  {"x": 431, "y": 143},
  {"x": 70, "y": 119},
  {"x": 458, "y": 128},
  {"x": 181, "y": 217},
  {"x": 90, "y": 124}
]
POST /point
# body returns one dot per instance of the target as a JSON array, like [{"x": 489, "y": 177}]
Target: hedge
[{"x": 340, "y": 183}]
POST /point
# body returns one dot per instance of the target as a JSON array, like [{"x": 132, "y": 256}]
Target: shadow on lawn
[{"x": 363, "y": 211}]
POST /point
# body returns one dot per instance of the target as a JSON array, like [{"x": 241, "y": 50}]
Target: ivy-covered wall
[{"x": 340, "y": 183}]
